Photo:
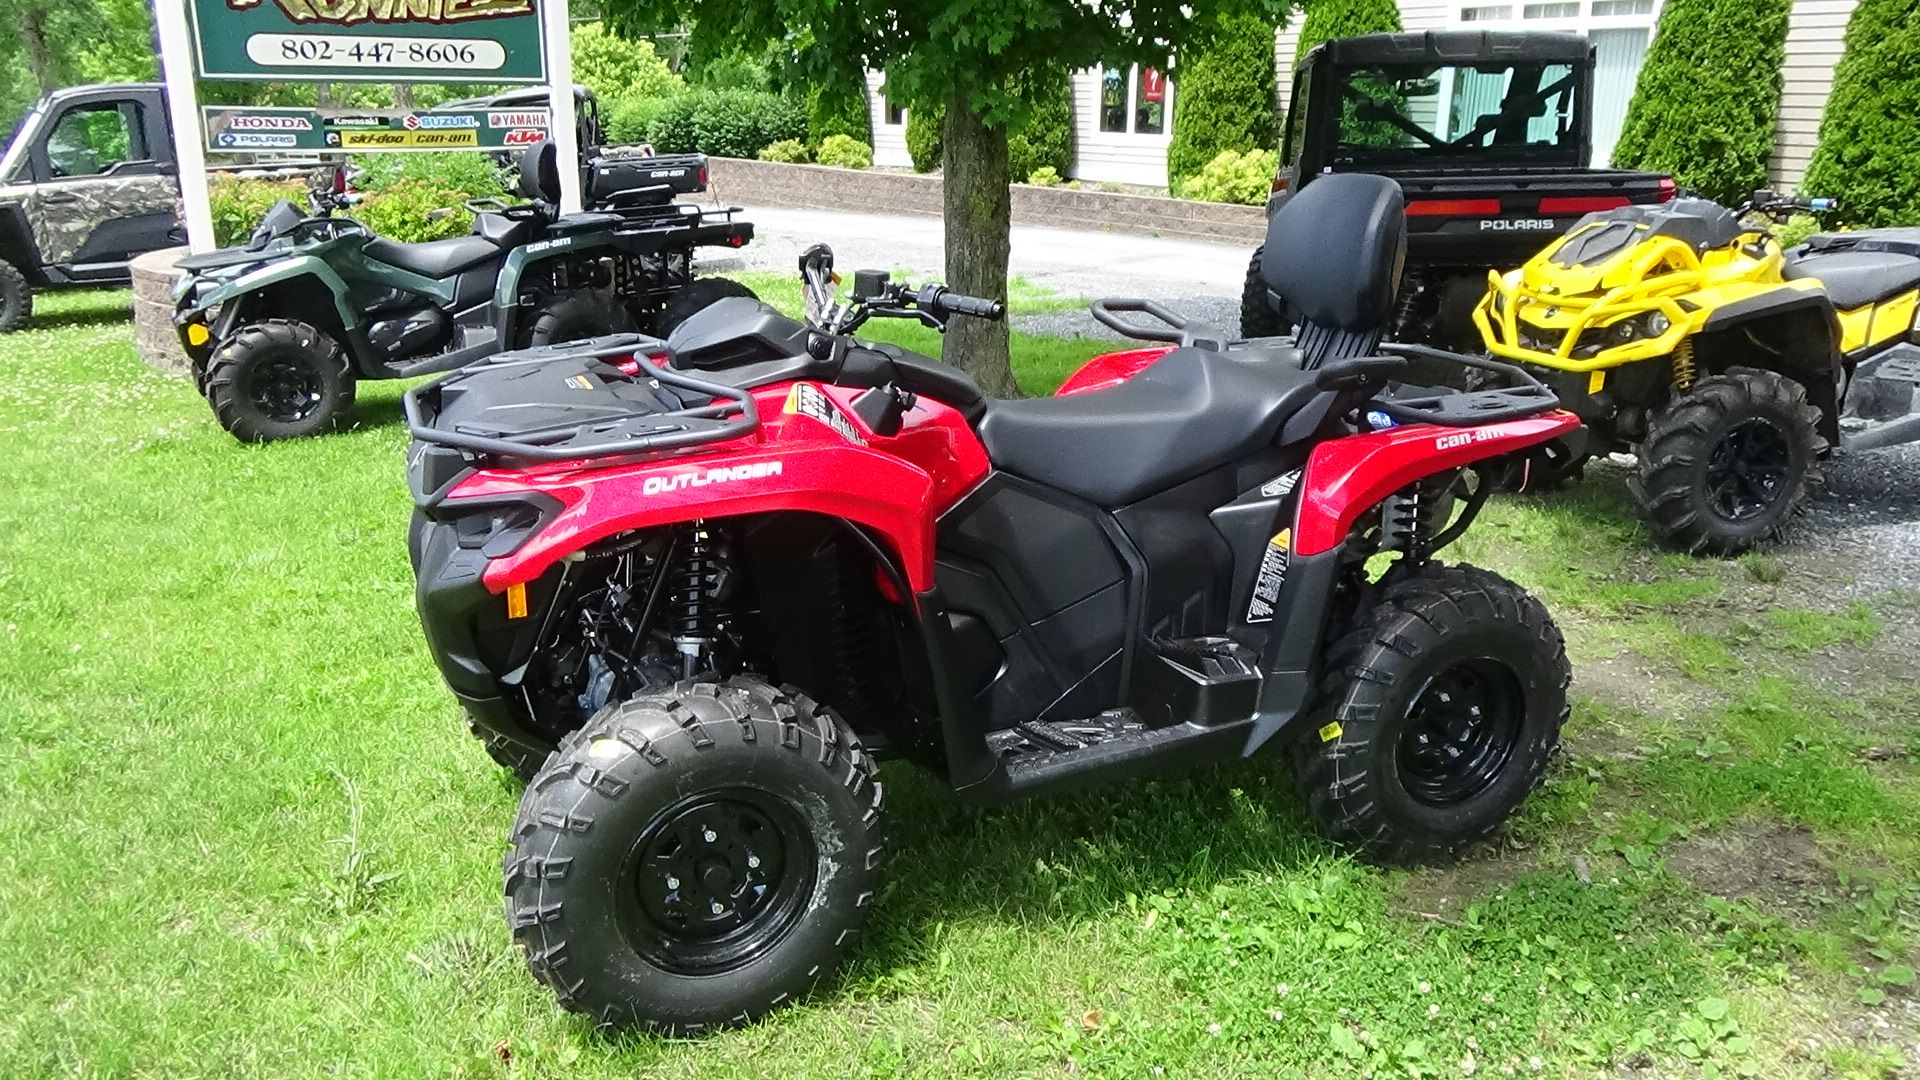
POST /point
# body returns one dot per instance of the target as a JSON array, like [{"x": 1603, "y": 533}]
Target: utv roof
[
  {"x": 522, "y": 96},
  {"x": 1452, "y": 47}
]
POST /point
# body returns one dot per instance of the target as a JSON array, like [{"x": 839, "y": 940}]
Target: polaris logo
[
  {"x": 661, "y": 485},
  {"x": 1517, "y": 224}
]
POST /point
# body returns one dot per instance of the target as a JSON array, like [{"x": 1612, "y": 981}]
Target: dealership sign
[
  {"x": 242, "y": 129},
  {"x": 493, "y": 41}
]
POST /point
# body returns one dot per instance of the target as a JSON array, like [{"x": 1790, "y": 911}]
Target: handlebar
[{"x": 946, "y": 302}]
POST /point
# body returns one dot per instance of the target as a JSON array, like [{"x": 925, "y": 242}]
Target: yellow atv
[{"x": 1684, "y": 334}]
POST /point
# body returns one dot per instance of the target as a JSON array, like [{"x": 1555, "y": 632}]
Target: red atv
[{"x": 695, "y": 590}]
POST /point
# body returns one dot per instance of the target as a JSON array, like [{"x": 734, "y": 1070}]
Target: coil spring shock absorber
[
  {"x": 1408, "y": 517},
  {"x": 1683, "y": 366},
  {"x": 690, "y": 612}
]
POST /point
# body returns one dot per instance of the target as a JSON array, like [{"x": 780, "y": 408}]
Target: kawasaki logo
[{"x": 661, "y": 485}]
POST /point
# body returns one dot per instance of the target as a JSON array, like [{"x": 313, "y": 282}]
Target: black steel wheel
[
  {"x": 696, "y": 858},
  {"x": 1437, "y": 716},
  {"x": 716, "y": 880},
  {"x": 1726, "y": 464},
  {"x": 1461, "y": 732},
  {"x": 278, "y": 379}
]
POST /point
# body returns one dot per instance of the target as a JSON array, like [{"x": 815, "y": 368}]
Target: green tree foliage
[
  {"x": 972, "y": 56},
  {"x": 615, "y": 67},
  {"x": 1705, "y": 106},
  {"x": 923, "y": 136},
  {"x": 1869, "y": 152},
  {"x": 837, "y": 105},
  {"x": 1046, "y": 140},
  {"x": 1330, "y": 19},
  {"x": 1227, "y": 101}
]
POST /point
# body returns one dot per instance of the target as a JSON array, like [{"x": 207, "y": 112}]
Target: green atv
[{"x": 279, "y": 331}]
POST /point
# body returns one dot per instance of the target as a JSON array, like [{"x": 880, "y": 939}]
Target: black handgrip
[{"x": 953, "y": 303}]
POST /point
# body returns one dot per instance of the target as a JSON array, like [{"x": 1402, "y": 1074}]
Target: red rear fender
[{"x": 1346, "y": 477}]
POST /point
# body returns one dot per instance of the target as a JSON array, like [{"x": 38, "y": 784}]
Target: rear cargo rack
[
  {"x": 729, "y": 414},
  {"x": 1466, "y": 408}
]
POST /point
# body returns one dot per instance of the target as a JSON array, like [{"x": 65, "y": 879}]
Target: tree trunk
[
  {"x": 323, "y": 95},
  {"x": 979, "y": 217},
  {"x": 33, "y": 34},
  {"x": 403, "y": 96}
]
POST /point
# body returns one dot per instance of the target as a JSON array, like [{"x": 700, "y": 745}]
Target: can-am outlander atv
[
  {"x": 280, "y": 330},
  {"x": 696, "y": 590},
  {"x": 1684, "y": 335}
]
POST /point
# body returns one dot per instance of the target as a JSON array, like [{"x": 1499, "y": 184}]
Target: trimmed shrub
[
  {"x": 614, "y": 67},
  {"x": 1705, "y": 105},
  {"x": 845, "y": 151},
  {"x": 1869, "y": 152},
  {"x": 672, "y": 129},
  {"x": 239, "y": 204},
  {"x": 1226, "y": 97},
  {"x": 1044, "y": 176},
  {"x": 403, "y": 212},
  {"x": 923, "y": 136},
  {"x": 468, "y": 171},
  {"x": 839, "y": 107},
  {"x": 1046, "y": 142},
  {"x": 786, "y": 151},
  {"x": 1329, "y": 19},
  {"x": 725, "y": 123},
  {"x": 629, "y": 120},
  {"x": 1233, "y": 177}
]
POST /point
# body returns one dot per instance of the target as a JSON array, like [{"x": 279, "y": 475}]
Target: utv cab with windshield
[{"x": 1488, "y": 134}]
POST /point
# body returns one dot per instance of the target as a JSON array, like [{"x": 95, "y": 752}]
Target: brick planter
[
  {"x": 818, "y": 187},
  {"x": 153, "y": 336}
]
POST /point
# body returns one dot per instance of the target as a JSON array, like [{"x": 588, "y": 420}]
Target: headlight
[{"x": 1647, "y": 324}]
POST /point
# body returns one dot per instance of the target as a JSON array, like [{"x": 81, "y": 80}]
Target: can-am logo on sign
[
  {"x": 661, "y": 485},
  {"x": 269, "y": 123}
]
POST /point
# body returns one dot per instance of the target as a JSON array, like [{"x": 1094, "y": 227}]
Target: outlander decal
[{"x": 661, "y": 485}]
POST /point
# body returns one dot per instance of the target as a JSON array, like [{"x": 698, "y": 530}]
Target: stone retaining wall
[
  {"x": 153, "y": 335},
  {"x": 818, "y": 187}
]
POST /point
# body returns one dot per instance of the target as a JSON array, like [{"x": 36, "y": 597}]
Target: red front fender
[{"x": 1346, "y": 477}]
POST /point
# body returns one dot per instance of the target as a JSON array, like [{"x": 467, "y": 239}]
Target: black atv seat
[
  {"x": 584, "y": 222},
  {"x": 1857, "y": 278},
  {"x": 1190, "y": 411},
  {"x": 435, "y": 258}
]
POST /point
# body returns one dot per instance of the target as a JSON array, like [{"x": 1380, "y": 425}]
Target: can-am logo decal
[
  {"x": 1280, "y": 486},
  {"x": 1466, "y": 438},
  {"x": 661, "y": 485},
  {"x": 1524, "y": 223}
]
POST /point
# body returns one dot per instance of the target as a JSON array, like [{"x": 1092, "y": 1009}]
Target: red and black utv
[{"x": 694, "y": 590}]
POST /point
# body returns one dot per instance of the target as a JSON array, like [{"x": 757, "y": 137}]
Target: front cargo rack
[{"x": 599, "y": 409}]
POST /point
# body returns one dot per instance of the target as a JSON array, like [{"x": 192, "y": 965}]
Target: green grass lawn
[{"x": 244, "y": 833}]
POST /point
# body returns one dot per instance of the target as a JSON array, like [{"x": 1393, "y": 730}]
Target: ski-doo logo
[{"x": 661, "y": 485}]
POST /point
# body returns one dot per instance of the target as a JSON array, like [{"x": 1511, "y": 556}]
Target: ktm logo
[{"x": 349, "y": 12}]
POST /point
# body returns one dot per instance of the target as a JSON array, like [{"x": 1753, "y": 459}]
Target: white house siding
[
  {"x": 1119, "y": 157},
  {"x": 889, "y": 140},
  {"x": 1816, "y": 33}
]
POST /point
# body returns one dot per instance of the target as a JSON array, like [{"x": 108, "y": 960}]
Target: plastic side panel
[
  {"x": 797, "y": 464},
  {"x": 1347, "y": 476},
  {"x": 934, "y": 437},
  {"x": 287, "y": 270},
  {"x": 1110, "y": 369}
]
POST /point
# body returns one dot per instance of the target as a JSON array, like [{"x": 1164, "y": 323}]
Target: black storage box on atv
[{"x": 617, "y": 182}]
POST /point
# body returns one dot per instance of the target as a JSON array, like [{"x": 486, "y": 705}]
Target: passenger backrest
[{"x": 1335, "y": 252}]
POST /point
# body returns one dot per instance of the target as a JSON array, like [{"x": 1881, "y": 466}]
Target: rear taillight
[
  {"x": 702, "y": 176},
  {"x": 1453, "y": 207},
  {"x": 1668, "y": 189},
  {"x": 1281, "y": 184},
  {"x": 340, "y": 180},
  {"x": 1580, "y": 204}
]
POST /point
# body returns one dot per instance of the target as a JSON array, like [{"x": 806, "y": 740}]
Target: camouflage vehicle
[{"x": 87, "y": 183}]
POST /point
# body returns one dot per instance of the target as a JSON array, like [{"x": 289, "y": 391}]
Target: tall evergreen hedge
[
  {"x": 1329, "y": 19},
  {"x": 1047, "y": 139},
  {"x": 1708, "y": 97},
  {"x": 1227, "y": 100},
  {"x": 924, "y": 138},
  {"x": 1869, "y": 152},
  {"x": 838, "y": 106}
]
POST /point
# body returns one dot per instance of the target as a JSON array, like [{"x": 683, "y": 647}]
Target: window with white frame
[
  {"x": 892, "y": 113},
  {"x": 1619, "y": 31},
  {"x": 1135, "y": 101}
]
